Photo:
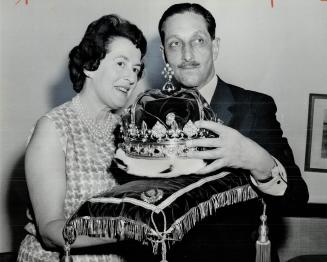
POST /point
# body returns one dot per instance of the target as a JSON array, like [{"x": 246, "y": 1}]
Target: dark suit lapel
[{"x": 223, "y": 102}]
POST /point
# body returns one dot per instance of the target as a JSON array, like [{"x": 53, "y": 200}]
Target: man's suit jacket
[
  {"x": 230, "y": 234},
  {"x": 254, "y": 115}
]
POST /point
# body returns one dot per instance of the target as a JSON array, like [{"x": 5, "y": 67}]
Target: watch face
[
  {"x": 266, "y": 179},
  {"x": 274, "y": 173}
]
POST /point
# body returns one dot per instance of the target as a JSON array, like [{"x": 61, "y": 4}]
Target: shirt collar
[{"x": 208, "y": 90}]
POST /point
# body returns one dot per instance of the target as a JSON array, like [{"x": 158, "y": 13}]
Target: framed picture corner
[{"x": 316, "y": 142}]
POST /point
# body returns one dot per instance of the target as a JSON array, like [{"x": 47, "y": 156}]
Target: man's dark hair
[
  {"x": 95, "y": 43},
  {"x": 188, "y": 7}
]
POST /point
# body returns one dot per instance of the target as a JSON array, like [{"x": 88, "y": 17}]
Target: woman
[{"x": 72, "y": 146}]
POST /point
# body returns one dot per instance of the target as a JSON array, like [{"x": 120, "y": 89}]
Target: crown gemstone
[
  {"x": 190, "y": 129},
  {"x": 171, "y": 150},
  {"x": 133, "y": 130},
  {"x": 170, "y": 118},
  {"x": 159, "y": 131}
]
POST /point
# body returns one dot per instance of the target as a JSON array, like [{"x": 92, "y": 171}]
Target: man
[{"x": 250, "y": 139}]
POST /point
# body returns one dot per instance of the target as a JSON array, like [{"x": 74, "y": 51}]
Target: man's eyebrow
[
  {"x": 195, "y": 33},
  {"x": 173, "y": 36},
  {"x": 201, "y": 31}
]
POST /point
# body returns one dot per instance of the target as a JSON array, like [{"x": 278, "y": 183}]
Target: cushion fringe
[
  {"x": 185, "y": 223},
  {"x": 110, "y": 227},
  {"x": 114, "y": 227}
]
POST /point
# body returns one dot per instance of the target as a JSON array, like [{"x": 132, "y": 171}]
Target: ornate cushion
[{"x": 157, "y": 210}]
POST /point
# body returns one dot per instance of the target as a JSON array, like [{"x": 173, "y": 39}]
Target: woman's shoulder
[
  {"x": 47, "y": 131},
  {"x": 63, "y": 110},
  {"x": 63, "y": 115},
  {"x": 54, "y": 124},
  {"x": 44, "y": 130}
]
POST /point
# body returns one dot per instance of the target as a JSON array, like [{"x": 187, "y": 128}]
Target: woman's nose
[{"x": 131, "y": 76}]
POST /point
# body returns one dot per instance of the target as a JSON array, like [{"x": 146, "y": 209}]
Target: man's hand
[{"x": 231, "y": 149}]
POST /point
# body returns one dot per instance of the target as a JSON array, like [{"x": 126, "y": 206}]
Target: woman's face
[{"x": 116, "y": 76}]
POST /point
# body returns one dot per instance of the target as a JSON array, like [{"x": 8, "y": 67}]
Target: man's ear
[
  {"x": 215, "y": 47},
  {"x": 88, "y": 73},
  {"x": 162, "y": 49}
]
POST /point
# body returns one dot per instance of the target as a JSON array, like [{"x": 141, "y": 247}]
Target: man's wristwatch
[
  {"x": 273, "y": 173},
  {"x": 265, "y": 180}
]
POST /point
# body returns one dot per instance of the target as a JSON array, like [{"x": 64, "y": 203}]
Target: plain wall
[
  {"x": 305, "y": 236},
  {"x": 280, "y": 51}
]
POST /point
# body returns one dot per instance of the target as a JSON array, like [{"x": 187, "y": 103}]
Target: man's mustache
[{"x": 187, "y": 65}]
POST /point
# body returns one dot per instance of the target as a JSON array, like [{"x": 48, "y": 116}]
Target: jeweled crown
[{"x": 160, "y": 122}]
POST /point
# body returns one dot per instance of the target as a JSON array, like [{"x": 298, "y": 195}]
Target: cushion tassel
[
  {"x": 69, "y": 235},
  {"x": 67, "y": 257},
  {"x": 162, "y": 238},
  {"x": 163, "y": 251},
  {"x": 263, "y": 243}
]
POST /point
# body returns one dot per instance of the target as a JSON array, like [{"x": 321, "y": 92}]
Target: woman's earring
[{"x": 168, "y": 73}]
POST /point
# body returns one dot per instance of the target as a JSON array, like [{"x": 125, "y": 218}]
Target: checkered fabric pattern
[{"x": 87, "y": 161}]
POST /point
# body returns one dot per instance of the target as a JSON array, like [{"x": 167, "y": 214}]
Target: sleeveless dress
[{"x": 87, "y": 159}]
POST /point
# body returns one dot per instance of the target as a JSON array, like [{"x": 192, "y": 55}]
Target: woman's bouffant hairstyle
[{"x": 94, "y": 46}]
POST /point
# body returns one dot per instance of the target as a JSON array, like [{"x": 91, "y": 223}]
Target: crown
[{"x": 160, "y": 122}]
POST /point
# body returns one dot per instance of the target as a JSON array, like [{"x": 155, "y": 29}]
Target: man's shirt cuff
[{"x": 277, "y": 185}]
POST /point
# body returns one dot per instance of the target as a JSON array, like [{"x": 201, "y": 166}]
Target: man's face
[{"x": 189, "y": 49}]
